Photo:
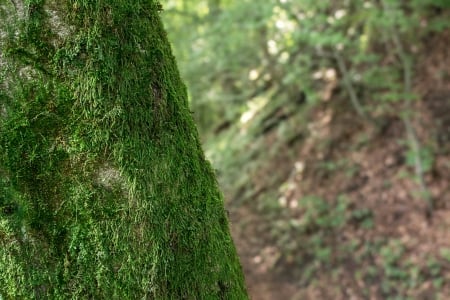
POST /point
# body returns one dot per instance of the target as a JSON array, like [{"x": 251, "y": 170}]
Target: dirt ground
[{"x": 374, "y": 179}]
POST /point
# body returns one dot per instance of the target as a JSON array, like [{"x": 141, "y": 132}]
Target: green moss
[{"x": 107, "y": 191}]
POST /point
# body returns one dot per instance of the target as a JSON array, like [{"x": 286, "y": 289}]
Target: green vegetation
[
  {"x": 105, "y": 192},
  {"x": 318, "y": 118},
  {"x": 300, "y": 52},
  {"x": 326, "y": 123}
]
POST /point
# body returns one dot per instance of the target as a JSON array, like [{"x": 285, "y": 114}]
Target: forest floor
[{"x": 365, "y": 233}]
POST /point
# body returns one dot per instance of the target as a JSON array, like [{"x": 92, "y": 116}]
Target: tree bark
[{"x": 104, "y": 189}]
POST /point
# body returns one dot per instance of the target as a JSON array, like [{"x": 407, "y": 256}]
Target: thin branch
[
  {"x": 406, "y": 118},
  {"x": 349, "y": 86}
]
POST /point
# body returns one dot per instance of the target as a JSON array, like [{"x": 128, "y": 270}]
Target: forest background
[{"x": 328, "y": 125}]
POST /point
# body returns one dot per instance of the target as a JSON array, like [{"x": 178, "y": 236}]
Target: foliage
[
  {"x": 314, "y": 231},
  {"x": 106, "y": 193},
  {"x": 281, "y": 50},
  {"x": 294, "y": 46},
  {"x": 256, "y": 95}
]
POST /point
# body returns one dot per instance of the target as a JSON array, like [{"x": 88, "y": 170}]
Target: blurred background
[{"x": 328, "y": 125}]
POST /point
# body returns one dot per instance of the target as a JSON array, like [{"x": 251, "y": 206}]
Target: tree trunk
[{"x": 104, "y": 189}]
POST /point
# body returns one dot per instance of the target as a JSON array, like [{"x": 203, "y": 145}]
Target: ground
[{"x": 365, "y": 233}]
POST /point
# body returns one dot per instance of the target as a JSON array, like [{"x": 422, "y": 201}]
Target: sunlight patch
[{"x": 253, "y": 107}]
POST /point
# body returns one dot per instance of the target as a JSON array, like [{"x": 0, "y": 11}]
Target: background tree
[{"x": 105, "y": 192}]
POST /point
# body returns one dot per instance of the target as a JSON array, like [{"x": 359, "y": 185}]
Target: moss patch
[{"x": 106, "y": 193}]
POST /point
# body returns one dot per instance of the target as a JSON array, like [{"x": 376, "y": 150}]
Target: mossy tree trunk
[{"x": 105, "y": 191}]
